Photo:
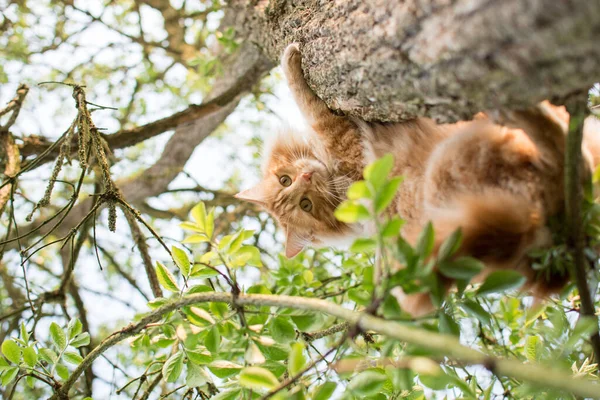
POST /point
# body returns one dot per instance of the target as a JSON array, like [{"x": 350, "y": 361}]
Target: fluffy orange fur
[{"x": 498, "y": 183}]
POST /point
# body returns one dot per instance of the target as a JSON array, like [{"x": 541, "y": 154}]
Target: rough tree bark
[{"x": 447, "y": 59}]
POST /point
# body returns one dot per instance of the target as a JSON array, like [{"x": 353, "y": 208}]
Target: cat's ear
[
  {"x": 255, "y": 194},
  {"x": 294, "y": 244}
]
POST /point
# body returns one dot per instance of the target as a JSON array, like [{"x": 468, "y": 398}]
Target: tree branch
[
  {"x": 574, "y": 221},
  {"x": 543, "y": 376}
]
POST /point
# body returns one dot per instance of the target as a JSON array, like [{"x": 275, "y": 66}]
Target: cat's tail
[{"x": 498, "y": 228}]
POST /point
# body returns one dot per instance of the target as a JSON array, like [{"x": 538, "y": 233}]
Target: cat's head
[{"x": 301, "y": 189}]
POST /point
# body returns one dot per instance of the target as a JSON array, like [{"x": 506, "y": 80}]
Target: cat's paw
[{"x": 291, "y": 61}]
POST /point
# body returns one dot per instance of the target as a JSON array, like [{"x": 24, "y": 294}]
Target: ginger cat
[{"x": 499, "y": 184}]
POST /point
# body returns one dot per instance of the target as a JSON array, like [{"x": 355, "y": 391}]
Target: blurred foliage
[{"x": 150, "y": 59}]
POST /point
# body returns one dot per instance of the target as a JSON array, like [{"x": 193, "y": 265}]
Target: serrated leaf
[
  {"x": 11, "y": 351},
  {"x": 367, "y": 383},
  {"x": 282, "y": 330},
  {"x": 62, "y": 371},
  {"x": 450, "y": 245},
  {"x": 74, "y": 328},
  {"x": 324, "y": 391},
  {"x": 499, "y": 281},
  {"x": 425, "y": 241},
  {"x": 30, "y": 356},
  {"x": 166, "y": 279},
  {"x": 190, "y": 226},
  {"x": 387, "y": 194},
  {"x": 253, "y": 354},
  {"x": 48, "y": 355},
  {"x": 24, "y": 333},
  {"x": 474, "y": 309},
  {"x": 350, "y": 212},
  {"x": 213, "y": 340},
  {"x": 72, "y": 358},
  {"x": 181, "y": 259},
  {"x": 461, "y": 268},
  {"x": 447, "y": 324},
  {"x": 363, "y": 245},
  {"x": 203, "y": 314},
  {"x": 377, "y": 172},
  {"x": 257, "y": 378},
  {"x": 195, "y": 376},
  {"x": 195, "y": 239},
  {"x": 173, "y": 366},
  {"x": 58, "y": 336},
  {"x": 296, "y": 359},
  {"x": 224, "y": 369},
  {"x": 9, "y": 375},
  {"x": 246, "y": 255},
  {"x": 199, "y": 357},
  {"x": 392, "y": 228},
  {"x": 199, "y": 215},
  {"x": 155, "y": 303},
  {"x": 83, "y": 339},
  {"x": 358, "y": 190},
  {"x": 533, "y": 348},
  {"x": 210, "y": 223}
]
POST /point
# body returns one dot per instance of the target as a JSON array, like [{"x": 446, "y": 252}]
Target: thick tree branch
[
  {"x": 393, "y": 59},
  {"x": 543, "y": 376}
]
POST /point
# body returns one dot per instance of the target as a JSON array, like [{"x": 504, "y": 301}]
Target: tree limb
[{"x": 543, "y": 376}]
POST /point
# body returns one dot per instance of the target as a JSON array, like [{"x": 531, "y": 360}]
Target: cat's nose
[{"x": 306, "y": 176}]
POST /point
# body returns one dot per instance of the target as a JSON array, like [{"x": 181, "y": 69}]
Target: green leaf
[
  {"x": 62, "y": 371},
  {"x": 83, "y": 339},
  {"x": 387, "y": 194},
  {"x": 74, "y": 328},
  {"x": 72, "y": 358},
  {"x": 359, "y": 296},
  {"x": 11, "y": 351},
  {"x": 350, "y": 212},
  {"x": 195, "y": 239},
  {"x": 450, "y": 245},
  {"x": 584, "y": 328},
  {"x": 48, "y": 355},
  {"x": 199, "y": 215},
  {"x": 166, "y": 279},
  {"x": 296, "y": 359},
  {"x": 257, "y": 378},
  {"x": 195, "y": 376},
  {"x": 224, "y": 369},
  {"x": 363, "y": 245},
  {"x": 199, "y": 357},
  {"x": 173, "y": 366},
  {"x": 234, "y": 394},
  {"x": 203, "y": 315},
  {"x": 282, "y": 330},
  {"x": 367, "y": 383},
  {"x": 58, "y": 336},
  {"x": 447, "y": 324},
  {"x": 9, "y": 375},
  {"x": 474, "y": 309},
  {"x": 324, "y": 391},
  {"x": 425, "y": 242},
  {"x": 210, "y": 223},
  {"x": 499, "y": 281},
  {"x": 392, "y": 228},
  {"x": 24, "y": 333},
  {"x": 461, "y": 268},
  {"x": 213, "y": 340},
  {"x": 182, "y": 261},
  {"x": 254, "y": 355},
  {"x": 190, "y": 226},
  {"x": 246, "y": 255},
  {"x": 533, "y": 348},
  {"x": 30, "y": 356},
  {"x": 378, "y": 171},
  {"x": 358, "y": 190}
]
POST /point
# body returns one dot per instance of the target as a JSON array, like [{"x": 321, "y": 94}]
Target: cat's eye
[
  {"x": 305, "y": 204},
  {"x": 285, "y": 180}
]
